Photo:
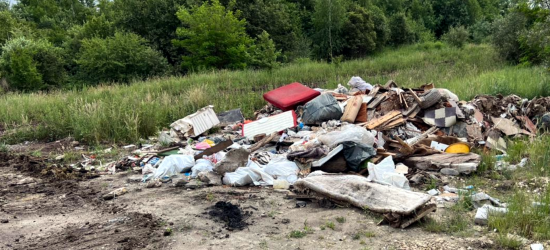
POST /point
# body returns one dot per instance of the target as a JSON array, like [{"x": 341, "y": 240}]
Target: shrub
[
  {"x": 400, "y": 30},
  {"x": 214, "y": 37},
  {"x": 359, "y": 33},
  {"x": 535, "y": 43},
  {"x": 481, "y": 31},
  {"x": 506, "y": 35},
  {"x": 264, "y": 53},
  {"x": 30, "y": 65},
  {"x": 457, "y": 36},
  {"x": 119, "y": 58}
]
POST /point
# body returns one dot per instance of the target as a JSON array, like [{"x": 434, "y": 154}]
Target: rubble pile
[{"x": 396, "y": 137}]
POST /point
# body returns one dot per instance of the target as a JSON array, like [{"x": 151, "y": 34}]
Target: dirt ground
[{"x": 44, "y": 207}]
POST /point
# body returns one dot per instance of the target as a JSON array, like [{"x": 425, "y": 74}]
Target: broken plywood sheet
[
  {"x": 474, "y": 132},
  {"x": 507, "y": 126},
  {"x": 359, "y": 192},
  {"x": 463, "y": 163}
]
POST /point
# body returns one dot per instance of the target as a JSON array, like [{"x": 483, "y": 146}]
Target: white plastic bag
[
  {"x": 360, "y": 84},
  {"x": 281, "y": 168},
  {"x": 173, "y": 165},
  {"x": 384, "y": 172},
  {"x": 351, "y": 133},
  {"x": 202, "y": 165},
  {"x": 148, "y": 169},
  {"x": 252, "y": 173}
]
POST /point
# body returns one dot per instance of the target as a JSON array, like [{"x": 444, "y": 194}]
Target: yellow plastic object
[
  {"x": 458, "y": 148},
  {"x": 211, "y": 143}
]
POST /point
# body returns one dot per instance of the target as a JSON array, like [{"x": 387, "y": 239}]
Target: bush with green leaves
[
  {"x": 359, "y": 33},
  {"x": 400, "y": 30},
  {"x": 119, "y": 58},
  {"x": 457, "y": 36},
  {"x": 481, "y": 31},
  {"x": 264, "y": 53},
  {"x": 535, "y": 43},
  {"x": 30, "y": 65},
  {"x": 506, "y": 33},
  {"x": 214, "y": 37}
]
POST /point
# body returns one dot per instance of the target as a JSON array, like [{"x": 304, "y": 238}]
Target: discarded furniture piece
[
  {"x": 398, "y": 204},
  {"x": 270, "y": 124},
  {"x": 196, "y": 123},
  {"x": 463, "y": 163},
  {"x": 290, "y": 96}
]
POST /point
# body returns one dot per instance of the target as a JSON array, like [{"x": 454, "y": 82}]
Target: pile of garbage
[{"x": 395, "y": 137}]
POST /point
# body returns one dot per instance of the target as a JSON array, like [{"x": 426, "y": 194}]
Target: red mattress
[{"x": 289, "y": 96}]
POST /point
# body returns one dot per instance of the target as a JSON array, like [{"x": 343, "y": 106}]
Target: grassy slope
[{"x": 127, "y": 113}]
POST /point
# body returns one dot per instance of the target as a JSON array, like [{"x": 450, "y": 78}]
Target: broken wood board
[
  {"x": 507, "y": 126},
  {"x": 217, "y": 148},
  {"x": 528, "y": 124},
  {"x": 377, "y": 122},
  {"x": 359, "y": 192},
  {"x": 377, "y": 100},
  {"x": 463, "y": 163},
  {"x": 329, "y": 156}
]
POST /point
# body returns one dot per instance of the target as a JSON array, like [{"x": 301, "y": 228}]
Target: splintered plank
[{"x": 388, "y": 117}]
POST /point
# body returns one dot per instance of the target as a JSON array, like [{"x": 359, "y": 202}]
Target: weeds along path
[
  {"x": 55, "y": 208},
  {"x": 126, "y": 113}
]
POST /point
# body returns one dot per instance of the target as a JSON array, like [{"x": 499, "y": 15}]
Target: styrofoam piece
[
  {"x": 329, "y": 156},
  {"x": 270, "y": 124},
  {"x": 197, "y": 123}
]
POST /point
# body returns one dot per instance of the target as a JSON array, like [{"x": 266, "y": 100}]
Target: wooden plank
[
  {"x": 383, "y": 119},
  {"x": 217, "y": 148},
  {"x": 377, "y": 100}
]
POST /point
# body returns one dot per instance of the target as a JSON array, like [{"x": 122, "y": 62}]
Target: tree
[
  {"x": 55, "y": 16},
  {"x": 154, "y": 20},
  {"x": 506, "y": 35},
  {"x": 457, "y": 36},
  {"x": 401, "y": 31},
  {"x": 329, "y": 17},
  {"x": 451, "y": 13},
  {"x": 359, "y": 33},
  {"x": 381, "y": 27},
  {"x": 264, "y": 52},
  {"x": 119, "y": 58},
  {"x": 214, "y": 37},
  {"x": 279, "y": 18},
  {"x": 30, "y": 65},
  {"x": 7, "y": 25}
]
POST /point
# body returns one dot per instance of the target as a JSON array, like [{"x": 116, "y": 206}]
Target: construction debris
[{"x": 399, "y": 138}]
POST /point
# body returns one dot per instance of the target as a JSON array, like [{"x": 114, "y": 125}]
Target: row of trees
[{"x": 64, "y": 43}]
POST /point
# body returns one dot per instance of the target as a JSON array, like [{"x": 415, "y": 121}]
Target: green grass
[
  {"x": 454, "y": 221},
  {"x": 124, "y": 114}
]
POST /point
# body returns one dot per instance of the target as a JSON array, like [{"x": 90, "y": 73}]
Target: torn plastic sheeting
[
  {"x": 173, "y": 165},
  {"x": 323, "y": 108},
  {"x": 270, "y": 124},
  {"x": 356, "y": 153},
  {"x": 480, "y": 198},
  {"x": 196, "y": 123},
  {"x": 329, "y": 156},
  {"x": 359, "y": 83},
  {"x": 384, "y": 173},
  {"x": 282, "y": 168},
  {"x": 251, "y": 174},
  {"x": 359, "y": 192},
  {"x": 351, "y": 133},
  {"x": 201, "y": 165},
  {"x": 482, "y": 213}
]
